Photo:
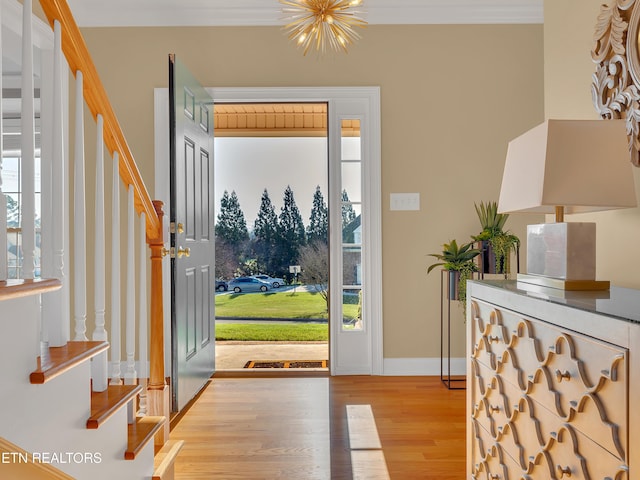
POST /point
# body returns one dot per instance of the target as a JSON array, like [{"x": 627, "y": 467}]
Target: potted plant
[
  {"x": 496, "y": 243},
  {"x": 459, "y": 261}
]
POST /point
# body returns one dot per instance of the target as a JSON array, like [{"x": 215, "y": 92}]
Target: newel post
[{"x": 157, "y": 391}]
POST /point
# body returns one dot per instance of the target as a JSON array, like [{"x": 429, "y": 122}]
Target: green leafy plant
[
  {"x": 458, "y": 259},
  {"x": 502, "y": 242},
  {"x": 491, "y": 221}
]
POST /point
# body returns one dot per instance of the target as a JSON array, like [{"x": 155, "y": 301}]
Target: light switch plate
[{"x": 405, "y": 201}]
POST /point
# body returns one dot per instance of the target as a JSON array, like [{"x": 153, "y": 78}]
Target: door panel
[{"x": 192, "y": 239}]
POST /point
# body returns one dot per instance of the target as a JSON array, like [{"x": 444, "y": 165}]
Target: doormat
[{"x": 286, "y": 364}]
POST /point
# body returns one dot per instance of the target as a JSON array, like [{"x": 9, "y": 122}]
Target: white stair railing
[
  {"x": 143, "y": 335},
  {"x": 79, "y": 219},
  {"x": 58, "y": 329},
  {"x": 56, "y": 322},
  {"x": 99, "y": 367},
  {"x": 116, "y": 374},
  {"x": 27, "y": 162},
  {"x": 130, "y": 317}
]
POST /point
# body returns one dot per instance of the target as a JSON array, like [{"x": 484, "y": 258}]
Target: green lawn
[
  {"x": 296, "y": 332},
  {"x": 277, "y": 305},
  {"x": 298, "y": 305}
]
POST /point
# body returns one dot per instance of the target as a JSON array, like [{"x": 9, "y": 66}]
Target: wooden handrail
[{"x": 79, "y": 59}]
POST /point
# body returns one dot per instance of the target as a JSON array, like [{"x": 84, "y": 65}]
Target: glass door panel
[{"x": 351, "y": 204}]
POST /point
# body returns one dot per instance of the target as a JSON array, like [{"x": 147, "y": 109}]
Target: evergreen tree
[
  {"x": 348, "y": 217},
  {"x": 13, "y": 212},
  {"x": 348, "y": 213},
  {"x": 231, "y": 226},
  {"x": 291, "y": 234},
  {"x": 265, "y": 230},
  {"x": 318, "y": 228}
]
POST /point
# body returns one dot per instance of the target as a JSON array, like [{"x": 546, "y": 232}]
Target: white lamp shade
[{"x": 582, "y": 165}]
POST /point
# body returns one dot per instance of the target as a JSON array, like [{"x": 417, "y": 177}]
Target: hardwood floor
[{"x": 321, "y": 428}]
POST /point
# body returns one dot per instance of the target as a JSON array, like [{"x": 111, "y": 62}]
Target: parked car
[
  {"x": 221, "y": 286},
  {"x": 274, "y": 282},
  {"x": 248, "y": 284}
]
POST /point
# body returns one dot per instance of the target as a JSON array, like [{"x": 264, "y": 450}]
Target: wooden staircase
[
  {"x": 53, "y": 400},
  {"x": 95, "y": 458}
]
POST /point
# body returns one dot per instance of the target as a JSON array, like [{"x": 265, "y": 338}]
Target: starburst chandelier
[{"x": 322, "y": 23}]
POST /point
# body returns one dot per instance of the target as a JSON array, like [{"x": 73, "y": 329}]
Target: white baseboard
[{"x": 422, "y": 366}]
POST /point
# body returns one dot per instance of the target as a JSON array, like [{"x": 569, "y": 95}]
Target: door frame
[{"x": 343, "y": 102}]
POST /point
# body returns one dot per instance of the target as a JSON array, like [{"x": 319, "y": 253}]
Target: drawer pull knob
[
  {"x": 494, "y": 339},
  {"x": 494, "y": 476},
  {"x": 563, "y": 472},
  {"x": 560, "y": 376},
  {"x": 494, "y": 409}
]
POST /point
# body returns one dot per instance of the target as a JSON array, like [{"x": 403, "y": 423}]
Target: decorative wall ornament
[
  {"x": 322, "y": 24},
  {"x": 615, "y": 85}
]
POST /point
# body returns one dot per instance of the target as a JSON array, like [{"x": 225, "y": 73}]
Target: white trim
[
  {"x": 148, "y": 13},
  {"x": 346, "y": 102},
  {"x": 422, "y": 366}
]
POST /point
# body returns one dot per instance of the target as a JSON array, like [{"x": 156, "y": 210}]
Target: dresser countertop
[{"x": 617, "y": 302}]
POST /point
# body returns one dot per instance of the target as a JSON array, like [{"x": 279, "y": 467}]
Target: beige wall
[
  {"x": 452, "y": 97},
  {"x": 568, "y": 38}
]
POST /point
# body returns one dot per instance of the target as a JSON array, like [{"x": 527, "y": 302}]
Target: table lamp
[{"x": 567, "y": 166}]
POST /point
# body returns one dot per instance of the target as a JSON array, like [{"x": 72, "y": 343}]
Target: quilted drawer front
[
  {"x": 490, "y": 460},
  {"x": 581, "y": 380},
  {"x": 569, "y": 453},
  {"x": 498, "y": 466},
  {"x": 564, "y": 453}
]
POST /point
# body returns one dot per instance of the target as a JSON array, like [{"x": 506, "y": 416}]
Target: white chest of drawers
[{"x": 553, "y": 383}]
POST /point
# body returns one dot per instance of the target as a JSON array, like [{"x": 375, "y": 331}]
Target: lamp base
[
  {"x": 562, "y": 250},
  {"x": 564, "y": 284}
]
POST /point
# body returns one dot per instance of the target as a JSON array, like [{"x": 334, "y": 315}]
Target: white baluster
[
  {"x": 143, "y": 335},
  {"x": 57, "y": 304},
  {"x": 130, "y": 317},
  {"x": 79, "y": 220},
  {"x": 116, "y": 378},
  {"x": 27, "y": 161},
  {"x": 3, "y": 200},
  {"x": 49, "y": 303},
  {"x": 99, "y": 367}
]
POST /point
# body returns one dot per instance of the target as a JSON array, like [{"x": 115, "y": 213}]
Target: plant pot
[
  {"x": 488, "y": 258},
  {"x": 454, "y": 282}
]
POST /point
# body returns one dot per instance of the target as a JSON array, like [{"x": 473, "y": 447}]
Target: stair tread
[
  {"x": 165, "y": 458},
  {"x": 62, "y": 359},
  {"x": 140, "y": 432},
  {"x": 104, "y": 404},
  {"x": 22, "y": 288}
]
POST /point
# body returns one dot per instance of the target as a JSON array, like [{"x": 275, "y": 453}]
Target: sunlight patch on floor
[{"x": 367, "y": 457}]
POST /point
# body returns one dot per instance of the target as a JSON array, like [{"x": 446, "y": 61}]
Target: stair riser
[
  {"x": 51, "y": 418},
  {"x": 19, "y": 337}
]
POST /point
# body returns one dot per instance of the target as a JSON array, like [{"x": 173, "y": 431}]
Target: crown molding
[{"x": 150, "y": 13}]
